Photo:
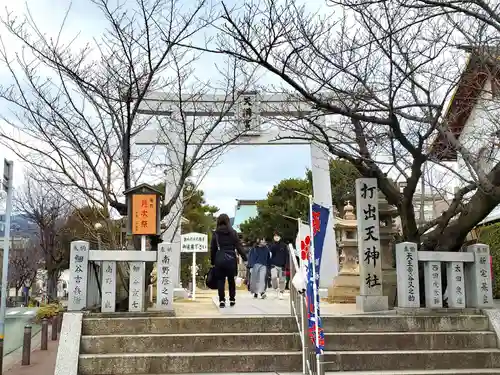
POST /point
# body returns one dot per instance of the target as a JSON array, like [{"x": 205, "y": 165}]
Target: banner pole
[{"x": 313, "y": 265}]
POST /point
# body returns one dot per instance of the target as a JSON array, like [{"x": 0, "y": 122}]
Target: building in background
[{"x": 245, "y": 209}]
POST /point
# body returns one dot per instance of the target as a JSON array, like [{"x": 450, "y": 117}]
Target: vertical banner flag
[{"x": 319, "y": 223}]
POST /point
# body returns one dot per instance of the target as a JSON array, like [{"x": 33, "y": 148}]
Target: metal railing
[{"x": 312, "y": 363}]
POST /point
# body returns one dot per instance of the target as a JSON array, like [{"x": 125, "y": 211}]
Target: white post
[
  {"x": 479, "y": 291},
  {"x": 193, "y": 274},
  {"x": 433, "y": 287},
  {"x": 322, "y": 193},
  {"x": 456, "y": 284},
  {"x": 108, "y": 287},
  {"x": 165, "y": 270},
  {"x": 8, "y": 172},
  {"x": 407, "y": 275},
  {"x": 370, "y": 264},
  {"x": 78, "y": 275},
  {"x": 143, "y": 243}
]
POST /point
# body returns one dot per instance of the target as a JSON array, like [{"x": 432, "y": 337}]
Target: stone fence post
[{"x": 78, "y": 274}]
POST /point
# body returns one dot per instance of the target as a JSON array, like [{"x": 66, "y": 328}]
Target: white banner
[{"x": 194, "y": 243}]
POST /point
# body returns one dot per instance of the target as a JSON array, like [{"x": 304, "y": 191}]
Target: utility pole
[{"x": 8, "y": 169}]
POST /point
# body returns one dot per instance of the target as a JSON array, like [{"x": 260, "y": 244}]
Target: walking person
[
  {"x": 259, "y": 264},
  {"x": 223, "y": 247},
  {"x": 279, "y": 262},
  {"x": 250, "y": 264}
]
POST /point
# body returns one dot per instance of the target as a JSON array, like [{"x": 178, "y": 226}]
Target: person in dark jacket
[
  {"x": 223, "y": 247},
  {"x": 259, "y": 263},
  {"x": 279, "y": 262}
]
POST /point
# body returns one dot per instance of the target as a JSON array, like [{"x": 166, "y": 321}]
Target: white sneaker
[
  {"x": 281, "y": 295},
  {"x": 277, "y": 293}
]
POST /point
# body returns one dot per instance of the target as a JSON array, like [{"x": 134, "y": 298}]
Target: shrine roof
[{"x": 468, "y": 88}]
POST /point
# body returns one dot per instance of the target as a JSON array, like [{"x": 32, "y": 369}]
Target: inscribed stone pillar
[
  {"x": 78, "y": 270},
  {"x": 433, "y": 287},
  {"x": 108, "y": 288},
  {"x": 370, "y": 264},
  {"x": 136, "y": 288},
  {"x": 456, "y": 284},
  {"x": 478, "y": 287},
  {"x": 166, "y": 267},
  {"x": 407, "y": 275}
]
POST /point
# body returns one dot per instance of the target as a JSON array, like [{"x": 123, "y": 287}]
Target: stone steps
[
  {"x": 366, "y": 341},
  {"x": 412, "y": 360},
  {"x": 181, "y": 363},
  {"x": 172, "y": 325},
  {"x": 190, "y": 342},
  {"x": 401, "y": 323}
]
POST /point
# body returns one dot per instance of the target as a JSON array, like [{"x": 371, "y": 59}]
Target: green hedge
[{"x": 490, "y": 235}]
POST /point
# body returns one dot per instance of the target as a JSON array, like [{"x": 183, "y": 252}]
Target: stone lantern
[
  {"x": 345, "y": 286},
  {"x": 388, "y": 232}
]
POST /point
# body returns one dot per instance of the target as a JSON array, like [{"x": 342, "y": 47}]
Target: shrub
[
  {"x": 490, "y": 235},
  {"x": 48, "y": 311}
]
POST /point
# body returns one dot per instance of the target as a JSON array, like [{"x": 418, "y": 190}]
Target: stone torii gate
[{"x": 247, "y": 110}]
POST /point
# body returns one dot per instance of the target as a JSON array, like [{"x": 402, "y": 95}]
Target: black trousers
[{"x": 226, "y": 270}]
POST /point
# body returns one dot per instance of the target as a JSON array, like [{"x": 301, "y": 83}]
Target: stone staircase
[
  {"x": 411, "y": 345},
  {"x": 355, "y": 344},
  {"x": 167, "y": 345}
]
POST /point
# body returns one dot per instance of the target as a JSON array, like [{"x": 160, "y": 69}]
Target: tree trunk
[{"x": 52, "y": 277}]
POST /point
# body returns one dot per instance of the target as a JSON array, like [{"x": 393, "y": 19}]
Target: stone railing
[
  {"x": 81, "y": 275},
  {"x": 468, "y": 276}
]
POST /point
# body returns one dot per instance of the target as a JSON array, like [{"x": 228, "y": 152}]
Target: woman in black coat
[{"x": 223, "y": 247}]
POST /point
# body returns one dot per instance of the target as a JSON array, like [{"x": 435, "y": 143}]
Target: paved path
[{"x": 42, "y": 362}]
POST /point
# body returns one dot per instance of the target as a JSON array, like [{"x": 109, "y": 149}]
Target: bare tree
[
  {"x": 46, "y": 209},
  {"x": 380, "y": 75},
  {"x": 76, "y": 124},
  {"x": 23, "y": 266}
]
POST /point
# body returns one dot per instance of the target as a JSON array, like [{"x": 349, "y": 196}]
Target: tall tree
[
  {"x": 382, "y": 73},
  {"x": 23, "y": 266},
  {"x": 276, "y": 213},
  {"x": 75, "y": 107},
  {"x": 279, "y": 211},
  {"x": 48, "y": 211}
]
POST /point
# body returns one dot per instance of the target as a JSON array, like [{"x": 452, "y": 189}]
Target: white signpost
[{"x": 194, "y": 243}]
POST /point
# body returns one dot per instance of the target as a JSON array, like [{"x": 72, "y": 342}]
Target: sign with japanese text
[
  {"x": 144, "y": 214},
  {"x": 108, "y": 286},
  {"x": 78, "y": 267},
  {"x": 456, "y": 284},
  {"x": 136, "y": 287},
  {"x": 370, "y": 265},
  {"x": 165, "y": 268},
  {"x": 433, "y": 286},
  {"x": 407, "y": 273},
  {"x": 479, "y": 284},
  {"x": 194, "y": 243}
]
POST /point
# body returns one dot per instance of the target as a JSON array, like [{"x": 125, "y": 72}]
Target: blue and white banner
[{"x": 319, "y": 215}]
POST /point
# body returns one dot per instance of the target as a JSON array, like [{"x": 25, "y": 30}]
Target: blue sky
[{"x": 245, "y": 172}]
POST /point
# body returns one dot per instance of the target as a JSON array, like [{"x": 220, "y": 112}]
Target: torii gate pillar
[{"x": 268, "y": 106}]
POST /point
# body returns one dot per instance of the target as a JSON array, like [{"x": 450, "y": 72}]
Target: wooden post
[
  {"x": 45, "y": 334},
  {"x": 26, "y": 346},
  {"x": 54, "y": 327}
]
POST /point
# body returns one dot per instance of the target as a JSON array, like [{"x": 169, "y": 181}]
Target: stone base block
[
  {"x": 372, "y": 303},
  {"x": 345, "y": 289}
]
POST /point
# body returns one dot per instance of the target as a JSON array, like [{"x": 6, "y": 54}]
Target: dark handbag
[
  {"x": 211, "y": 279},
  {"x": 222, "y": 256}
]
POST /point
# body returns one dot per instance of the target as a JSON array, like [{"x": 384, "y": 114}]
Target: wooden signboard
[{"x": 144, "y": 207}]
